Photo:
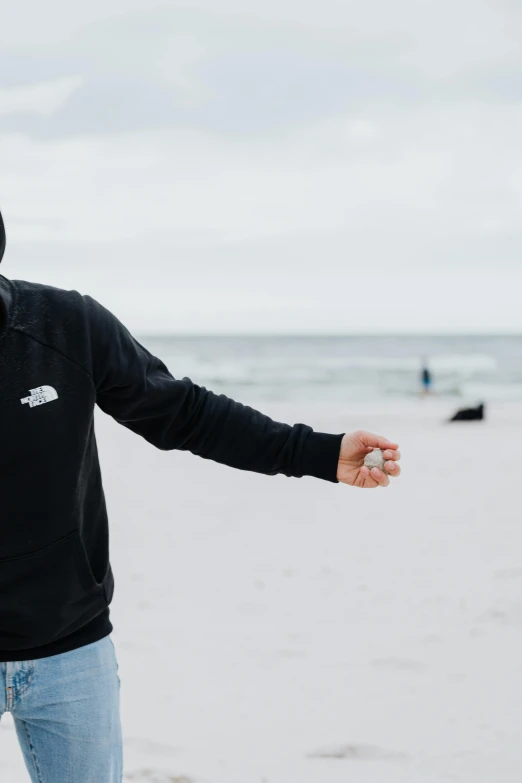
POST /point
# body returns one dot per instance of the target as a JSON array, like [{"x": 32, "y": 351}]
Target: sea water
[{"x": 333, "y": 368}]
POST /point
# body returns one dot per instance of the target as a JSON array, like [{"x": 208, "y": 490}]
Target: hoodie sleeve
[{"x": 138, "y": 391}]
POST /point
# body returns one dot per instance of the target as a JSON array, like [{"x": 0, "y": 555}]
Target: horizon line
[{"x": 328, "y": 334}]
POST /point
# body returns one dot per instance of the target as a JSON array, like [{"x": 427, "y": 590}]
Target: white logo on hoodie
[{"x": 39, "y": 396}]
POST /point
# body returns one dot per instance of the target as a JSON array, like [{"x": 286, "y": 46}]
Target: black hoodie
[{"x": 61, "y": 354}]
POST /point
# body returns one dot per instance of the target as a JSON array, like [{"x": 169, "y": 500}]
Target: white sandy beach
[{"x": 281, "y": 631}]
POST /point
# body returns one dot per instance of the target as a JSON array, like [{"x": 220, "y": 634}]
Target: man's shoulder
[
  {"x": 53, "y": 316},
  {"x": 57, "y": 315},
  {"x": 36, "y": 306},
  {"x": 36, "y": 295}
]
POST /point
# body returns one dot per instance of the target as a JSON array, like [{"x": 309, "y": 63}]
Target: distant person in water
[{"x": 426, "y": 378}]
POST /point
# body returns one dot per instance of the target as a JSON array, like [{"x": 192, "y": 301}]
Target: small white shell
[{"x": 375, "y": 459}]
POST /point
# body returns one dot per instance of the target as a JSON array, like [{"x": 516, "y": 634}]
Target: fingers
[
  {"x": 371, "y": 479},
  {"x": 390, "y": 466},
  {"x": 377, "y": 441},
  {"x": 390, "y": 454},
  {"x": 380, "y": 477},
  {"x": 392, "y": 469},
  {"x": 365, "y": 480}
]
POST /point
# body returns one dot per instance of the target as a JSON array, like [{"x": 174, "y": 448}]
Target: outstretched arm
[{"x": 137, "y": 390}]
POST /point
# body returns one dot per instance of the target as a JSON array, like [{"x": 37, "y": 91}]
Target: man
[{"x": 61, "y": 354}]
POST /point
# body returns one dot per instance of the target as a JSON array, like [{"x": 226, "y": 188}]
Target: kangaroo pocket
[{"x": 47, "y": 595}]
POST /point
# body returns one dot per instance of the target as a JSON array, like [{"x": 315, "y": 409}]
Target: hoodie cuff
[{"x": 321, "y": 456}]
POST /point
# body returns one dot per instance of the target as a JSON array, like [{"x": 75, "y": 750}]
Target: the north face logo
[{"x": 40, "y": 395}]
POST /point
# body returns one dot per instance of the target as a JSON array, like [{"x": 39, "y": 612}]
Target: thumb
[{"x": 370, "y": 440}]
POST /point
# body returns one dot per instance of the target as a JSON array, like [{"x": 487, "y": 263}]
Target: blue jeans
[{"x": 66, "y": 711}]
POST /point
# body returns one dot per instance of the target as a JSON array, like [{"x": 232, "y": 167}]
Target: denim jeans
[{"x": 66, "y": 711}]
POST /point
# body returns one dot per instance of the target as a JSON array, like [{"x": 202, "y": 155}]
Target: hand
[{"x": 353, "y": 471}]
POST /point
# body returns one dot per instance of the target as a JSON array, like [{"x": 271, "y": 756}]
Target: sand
[{"x": 282, "y": 631}]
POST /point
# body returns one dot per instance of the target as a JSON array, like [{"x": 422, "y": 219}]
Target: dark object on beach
[{"x": 471, "y": 414}]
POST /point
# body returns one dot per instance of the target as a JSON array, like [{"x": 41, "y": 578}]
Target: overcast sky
[{"x": 285, "y": 165}]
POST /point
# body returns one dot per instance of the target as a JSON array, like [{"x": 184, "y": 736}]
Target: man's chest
[{"x": 46, "y": 403}]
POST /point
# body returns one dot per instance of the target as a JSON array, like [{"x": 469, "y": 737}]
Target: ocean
[{"x": 334, "y": 368}]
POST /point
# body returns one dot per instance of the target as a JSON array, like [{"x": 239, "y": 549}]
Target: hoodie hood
[
  {"x": 2, "y": 238},
  {"x": 5, "y": 297}
]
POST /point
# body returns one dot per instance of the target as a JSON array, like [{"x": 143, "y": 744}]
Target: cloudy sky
[{"x": 285, "y": 165}]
